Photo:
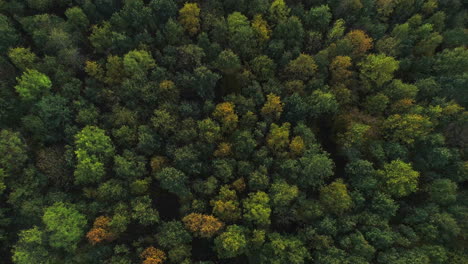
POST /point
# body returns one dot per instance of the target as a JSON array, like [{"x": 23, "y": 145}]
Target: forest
[{"x": 233, "y": 132}]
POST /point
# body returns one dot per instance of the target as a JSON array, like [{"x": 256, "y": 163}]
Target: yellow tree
[
  {"x": 260, "y": 26},
  {"x": 152, "y": 255},
  {"x": 224, "y": 112},
  {"x": 202, "y": 225},
  {"x": 272, "y": 107},
  {"x": 278, "y": 138},
  {"x": 189, "y": 18},
  {"x": 339, "y": 69},
  {"x": 100, "y": 231},
  {"x": 360, "y": 42}
]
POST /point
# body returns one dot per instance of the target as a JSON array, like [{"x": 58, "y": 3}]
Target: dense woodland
[{"x": 233, "y": 131}]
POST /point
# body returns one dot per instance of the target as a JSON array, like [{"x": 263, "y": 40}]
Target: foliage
[{"x": 234, "y": 131}]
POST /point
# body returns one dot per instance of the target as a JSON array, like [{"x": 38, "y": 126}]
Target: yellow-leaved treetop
[
  {"x": 297, "y": 146},
  {"x": 152, "y": 255},
  {"x": 360, "y": 42},
  {"x": 272, "y": 107},
  {"x": 189, "y": 18},
  {"x": 202, "y": 225},
  {"x": 339, "y": 69},
  {"x": 100, "y": 231},
  {"x": 224, "y": 112},
  {"x": 261, "y": 28}
]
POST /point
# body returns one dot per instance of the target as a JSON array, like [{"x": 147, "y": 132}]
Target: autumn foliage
[
  {"x": 152, "y": 255},
  {"x": 202, "y": 225},
  {"x": 100, "y": 231}
]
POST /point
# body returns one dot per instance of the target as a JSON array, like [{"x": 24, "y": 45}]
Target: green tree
[
  {"x": 282, "y": 193},
  {"x": 65, "y": 225},
  {"x": 14, "y": 151},
  {"x": 93, "y": 141},
  {"x": 443, "y": 191},
  {"x": 399, "y": 178},
  {"x": 93, "y": 149},
  {"x": 407, "y": 128},
  {"x": 284, "y": 249},
  {"x": 231, "y": 243},
  {"x": 318, "y": 18},
  {"x": 138, "y": 62},
  {"x": 335, "y": 197},
  {"x": 173, "y": 180},
  {"x": 31, "y": 247},
  {"x": 301, "y": 68},
  {"x": 9, "y": 35},
  {"x": 378, "y": 68},
  {"x": 263, "y": 67},
  {"x": 315, "y": 169},
  {"x": 241, "y": 35},
  {"x": 257, "y": 209},
  {"x": 32, "y": 84},
  {"x": 172, "y": 234},
  {"x": 77, "y": 18},
  {"x": 279, "y": 11},
  {"x": 22, "y": 58}
]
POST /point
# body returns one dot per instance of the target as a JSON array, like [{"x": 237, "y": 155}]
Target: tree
[
  {"x": 241, "y": 35},
  {"x": 284, "y": 249},
  {"x": 263, "y": 67},
  {"x": 65, "y": 225},
  {"x": 224, "y": 112},
  {"x": 318, "y": 17},
  {"x": 228, "y": 62},
  {"x": 278, "y": 138},
  {"x": 14, "y": 151},
  {"x": 172, "y": 234},
  {"x": 257, "y": 209},
  {"x": 225, "y": 205},
  {"x": 173, "y": 180},
  {"x": 31, "y": 247},
  {"x": 189, "y": 18},
  {"x": 93, "y": 149},
  {"x": 143, "y": 211},
  {"x": 77, "y": 18},
  {"x": 152, "y": 255},
  {"x": 93, "y": 141},
  {"x": 100, "y": 231},
  {"x": 321, "y": 103},
  {"x": 399, "y": 178},
  {"x": 335, "y": 197},
  {"x": 272, "y": 107},
  {"x": 163, "y": 9},
  {"x": 339, "y": 69},
  {"x": 261, "y": 28},
  {"x": 291, "y": 33},
  {"x": 443, "y": 191},
  {"x": 359, "y": 41},
  {"x": 282, "y": 194},
  {"x": 32, "y": 84},
  {"x": 9, "y": 35},
  {"x": 202, "y": 225},
  {"x": 279, "y": 11},
  {"x": 407, "y": 128},
  {"x": 315, "y": 168},
  {"x": 301, "y": 68},
  {"x": 22, "y": 58},
  {"x": 231, "y": 243},
  {"x": 138, "y": 62},
  {"x": 55, "y": 114},
  {"x": 205, "y": 82},
  {"x": 378, "y": 68}
]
